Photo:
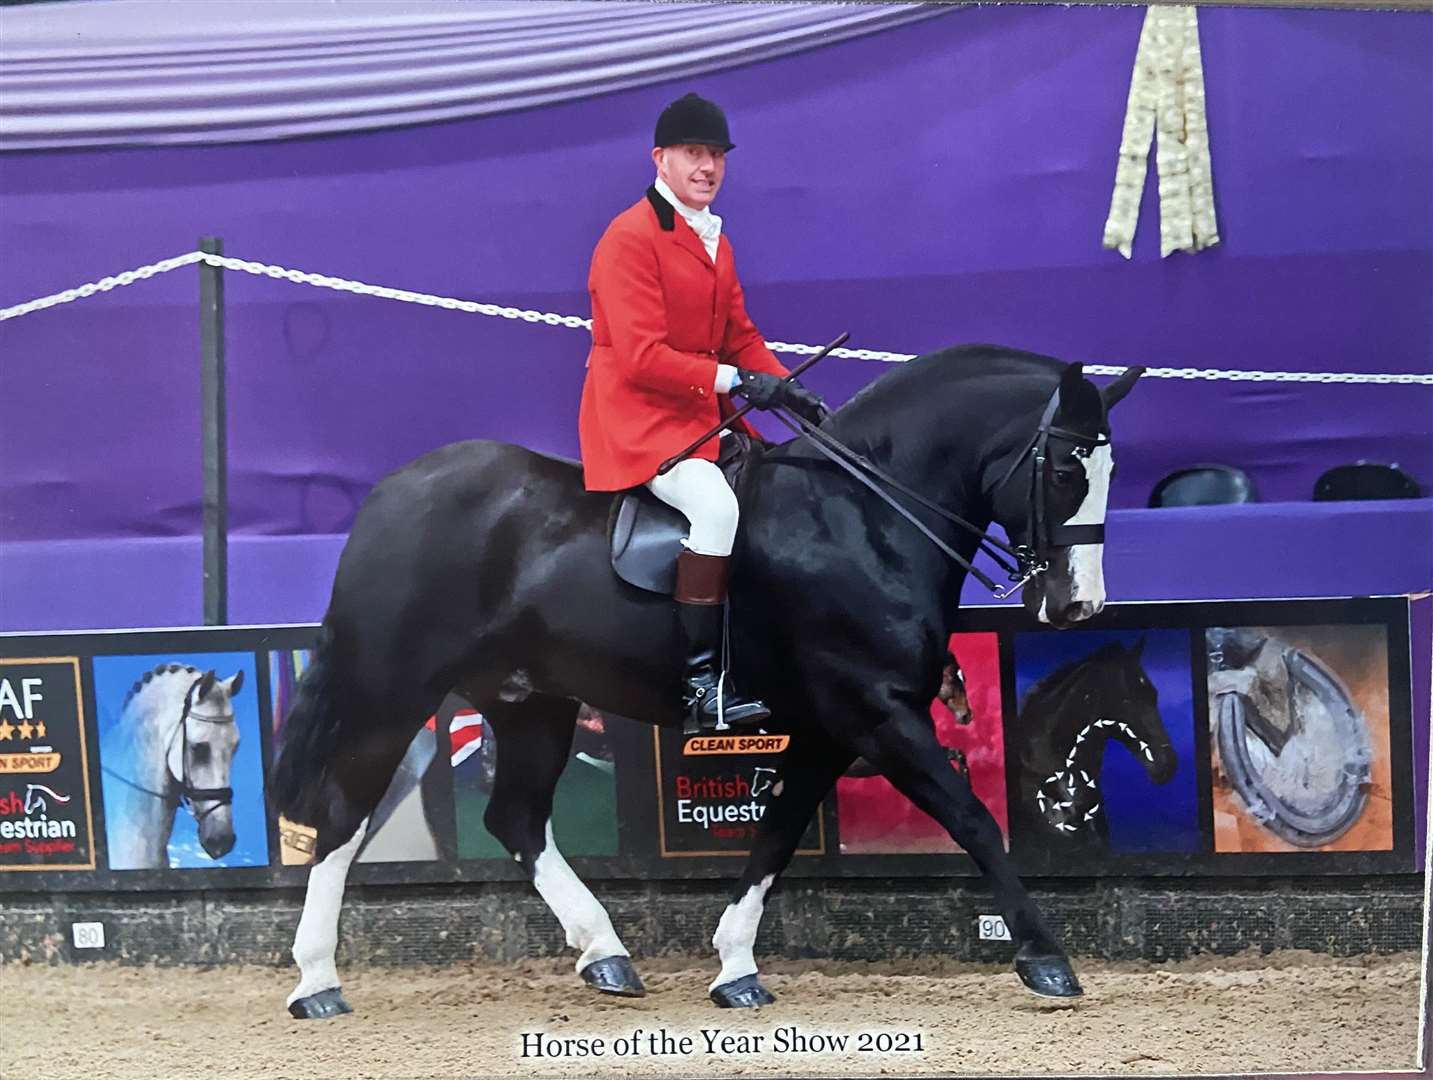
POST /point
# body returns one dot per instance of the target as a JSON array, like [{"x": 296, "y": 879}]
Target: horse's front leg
[
  {"x": 807, "y": 770},
  {"x": 906, "y": 751}
]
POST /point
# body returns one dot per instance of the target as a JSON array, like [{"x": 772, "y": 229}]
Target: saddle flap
[
  {"x": 646, "y": 534},
  {"x": 646, "y": 538}
]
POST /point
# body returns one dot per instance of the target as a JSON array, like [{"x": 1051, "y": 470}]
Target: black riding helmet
[{"x": 695, "y": 120}]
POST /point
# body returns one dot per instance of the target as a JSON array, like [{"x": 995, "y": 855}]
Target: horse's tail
[{"x": 309, "y": 739}]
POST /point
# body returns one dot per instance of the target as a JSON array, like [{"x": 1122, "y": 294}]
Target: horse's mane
[
  {"x": 1054, "y": 685},
  {"x": 149, "y": 677},
  {"x": 930, "y": 372}
]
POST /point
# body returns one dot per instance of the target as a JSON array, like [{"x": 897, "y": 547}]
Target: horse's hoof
[
  {"x": 614, "y": 975},
  {"x": 1049, "y": 975},
  {"x": 743, "y": 993},
  {"x": 324, "y": 1005}
]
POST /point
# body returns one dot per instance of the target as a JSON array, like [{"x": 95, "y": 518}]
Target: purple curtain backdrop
[
  {"x": 921, "y": 186},
  {"x": 108, "y": 73}
]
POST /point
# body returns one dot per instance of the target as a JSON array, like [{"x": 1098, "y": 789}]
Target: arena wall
[
  {"x": 1185, "y": 865},
  {"x": 837, "y": 919}
]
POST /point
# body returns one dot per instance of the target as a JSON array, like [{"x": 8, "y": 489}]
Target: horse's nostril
[{"x": 1077, "y": 611}]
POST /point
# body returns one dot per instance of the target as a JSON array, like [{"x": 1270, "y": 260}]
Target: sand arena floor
[{"x": 1286, "y": 1011}]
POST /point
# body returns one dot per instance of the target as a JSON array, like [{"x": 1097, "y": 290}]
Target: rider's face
[{"x": 694, "y": 173}]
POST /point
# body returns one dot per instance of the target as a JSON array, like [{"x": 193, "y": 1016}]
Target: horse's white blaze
[
  {"x": 1087, "y": 561},
  {"x": 735, "y": 937},
  {"x": 316, "y": 940},
  {"x": 583, "y": 918}
]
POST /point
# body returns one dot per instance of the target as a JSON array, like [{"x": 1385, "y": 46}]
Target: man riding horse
[
  {"x": 671, "y": 344},
  {"x": 859, "y": 554}
]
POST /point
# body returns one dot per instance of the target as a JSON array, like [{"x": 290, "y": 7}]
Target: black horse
[
  {"x": 952, "y": 695},
  {"x": 483, "y": 568},
  {"x": 1065, "y": 721}
]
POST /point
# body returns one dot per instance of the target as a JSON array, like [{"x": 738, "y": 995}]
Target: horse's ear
[
  {"x": 1115, "y": 392},
  {"x": 235, "y": 683},
  {"x": 206, "y": 687},
  {"x": 1079, "y": 400}
]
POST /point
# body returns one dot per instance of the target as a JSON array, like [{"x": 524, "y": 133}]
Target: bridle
[
  {"x": 188, "y": 793},
  {"x": 1049, "y": 536},
  {"x": 1022, "y": 563}
]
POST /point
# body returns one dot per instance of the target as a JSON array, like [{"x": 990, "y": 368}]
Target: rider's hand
[
  {"x": 762, "y": 390},
  {"x": 767, "y": 391},
  {"x": 803, "y": 401}
]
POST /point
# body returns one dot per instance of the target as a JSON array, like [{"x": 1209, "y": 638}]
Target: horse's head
[
  {"x": 1052, "y": 499},
  {"x": 1231, "y": 649},
  {"x": 202, "y": 757},
  {"x": 952, "y": 690},
  {"x": 1122, "y": 694}
]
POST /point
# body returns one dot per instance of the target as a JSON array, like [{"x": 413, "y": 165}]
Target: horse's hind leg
[
  {"x": 533, "y": 740},
  {"x": 357, "y": 782},
  {"x": 317, "y": 995},
  {"x": 909, "y": 755},
  {"x": 807, "y": 770}
]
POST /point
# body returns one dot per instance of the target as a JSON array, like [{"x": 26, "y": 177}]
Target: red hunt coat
[{"x": 663, "y": 316}]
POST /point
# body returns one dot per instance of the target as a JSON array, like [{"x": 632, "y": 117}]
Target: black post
[{"x": 215, "y": 435}]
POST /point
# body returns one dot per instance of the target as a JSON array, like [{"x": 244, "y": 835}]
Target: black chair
[
  {"x": 1365, "y": 480},
  {"x": 1204, "y": 485}
]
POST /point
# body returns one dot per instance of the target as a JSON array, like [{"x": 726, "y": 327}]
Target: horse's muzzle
[{"x": 1070, "y": 614}]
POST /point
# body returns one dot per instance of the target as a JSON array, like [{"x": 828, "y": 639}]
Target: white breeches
[{"x": 697, "y": 488}]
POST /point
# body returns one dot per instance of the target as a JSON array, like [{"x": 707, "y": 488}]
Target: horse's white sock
[
  {"x": 585, "y": 920},
  {"x": 735, "y": 936},
  {"x": 317, "y": 937}
]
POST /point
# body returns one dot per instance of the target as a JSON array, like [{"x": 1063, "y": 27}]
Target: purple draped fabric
[
  {"x": 128, "y": 73},
  {"x": 927, "y": 185}
]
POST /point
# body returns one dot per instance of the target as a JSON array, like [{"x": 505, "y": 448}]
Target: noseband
[
  {"x": 1023, "y": 562},
  {"x": 188, "y": 793}
]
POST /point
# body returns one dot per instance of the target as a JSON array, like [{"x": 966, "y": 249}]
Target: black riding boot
[{"x": 700, "y": 596}]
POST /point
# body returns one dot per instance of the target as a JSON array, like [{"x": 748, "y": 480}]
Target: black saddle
[{"x": 646, "y": 534}]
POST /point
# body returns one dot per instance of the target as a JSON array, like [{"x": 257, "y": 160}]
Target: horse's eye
[
  {"x": 201, "y": 755},
  {"x": 1064, "y": 477}
]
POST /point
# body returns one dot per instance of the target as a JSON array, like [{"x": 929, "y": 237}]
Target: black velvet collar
[{"x": 666, "y": 212}]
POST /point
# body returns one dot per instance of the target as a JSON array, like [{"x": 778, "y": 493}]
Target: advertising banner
[
  {"x": 712, "y": 792},
  {"x": 1241, "y": 738},
  {"x": 45, "y": 815}
]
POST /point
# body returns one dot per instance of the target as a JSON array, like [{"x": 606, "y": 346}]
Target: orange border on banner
[
  {"x": 820, "y": 848},
  {"x": 74, "y": 662}
]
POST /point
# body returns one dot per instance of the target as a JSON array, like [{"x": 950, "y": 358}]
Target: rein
[
  {"x": 1029, "y": 561},
  {"x": 188, "y": 793}
]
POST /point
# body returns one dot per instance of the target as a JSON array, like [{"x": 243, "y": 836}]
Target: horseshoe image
[{"x": 1304, "y": 772}]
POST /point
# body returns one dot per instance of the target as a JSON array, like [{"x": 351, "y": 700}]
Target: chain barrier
[
  {"x": 127, "y": 277},
  {"x": 574, "y": 322}
]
